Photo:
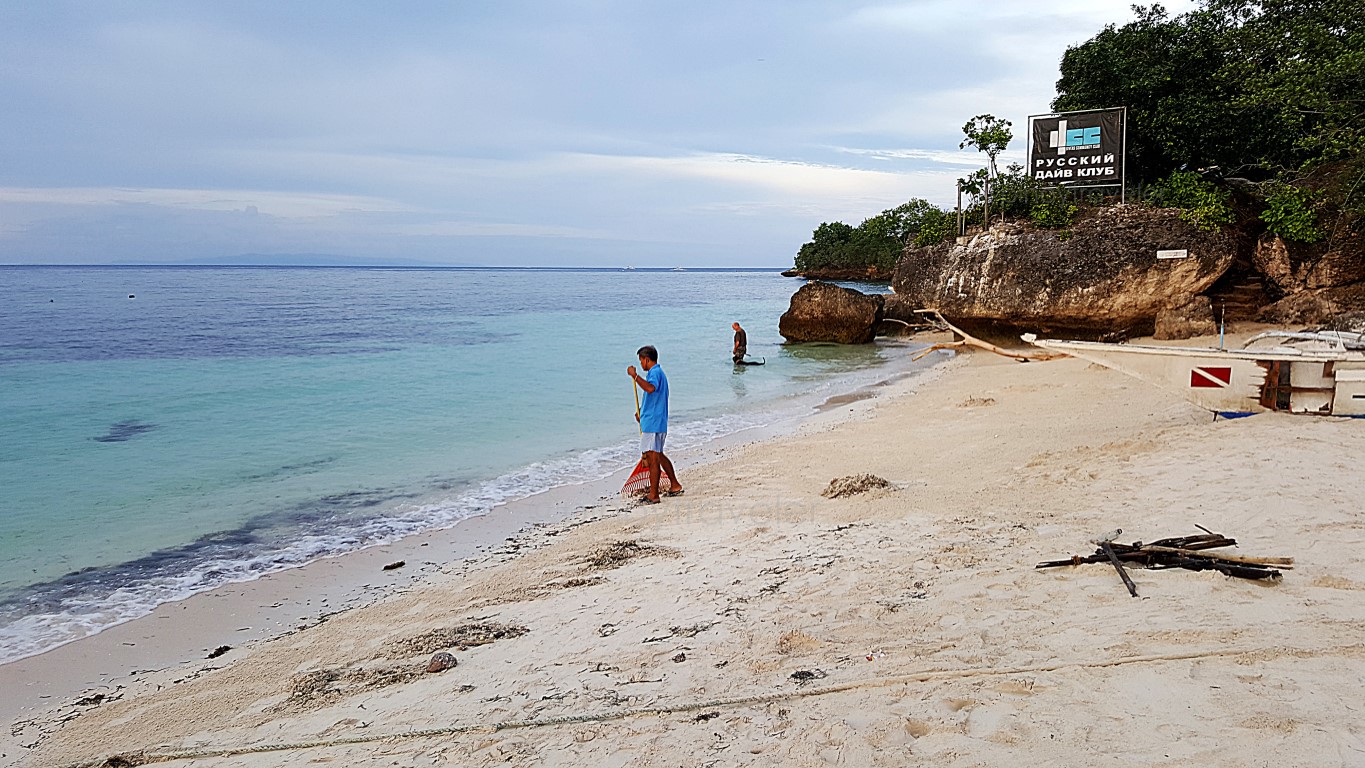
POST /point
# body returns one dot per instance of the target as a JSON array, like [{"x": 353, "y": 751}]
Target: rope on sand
[{"x": 128, "y": 760}]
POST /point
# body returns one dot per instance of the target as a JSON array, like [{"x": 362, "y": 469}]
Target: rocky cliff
[
  {"x": 1313, "y": 283},
  {"x": 1104, "y": 275},
  {"x": 1120, "y": 271}
]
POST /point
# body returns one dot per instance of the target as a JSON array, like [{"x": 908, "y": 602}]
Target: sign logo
[
  {"x": 1070, "y": 139},
  {"x": 1208, "y": 377}
]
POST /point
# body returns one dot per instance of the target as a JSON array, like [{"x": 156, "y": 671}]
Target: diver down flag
[{"x": 1208, "y": 377}]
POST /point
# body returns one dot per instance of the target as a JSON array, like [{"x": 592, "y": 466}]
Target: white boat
[{"x": 1321, "y": 373}]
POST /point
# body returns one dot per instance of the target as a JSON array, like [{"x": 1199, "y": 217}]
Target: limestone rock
[
  {"x": 902, "y": 310},
  {"x": 1186, "y": 318},
  {"x": 1323, "y": 306},
  {"x": 1351, "y": 320},
  {"x": 1102, "y": 275},
  {"x": 825, "y": 312},
  {"x": 1292, "y": 267},
  {"x": 866, "y": 273},
  {"x": 1271, "y": 259}
]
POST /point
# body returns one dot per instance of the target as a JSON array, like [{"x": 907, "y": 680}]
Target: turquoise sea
[{"x": 165, "y": 430}]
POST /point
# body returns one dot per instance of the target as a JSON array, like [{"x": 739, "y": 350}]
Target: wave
[
  {"x": 40, "y": 617},
  {"x": 44, "y": 616}
]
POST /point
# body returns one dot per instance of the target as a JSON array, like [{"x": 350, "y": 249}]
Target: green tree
[
  {"x": 1165, "y": 71},
  {"x": 935, "y": 226},
  {"x": 907, "y": 218},
  {"x": 1274, "y": 84},
  {"x": 1301, "y": 65},
  {"x": 829, "y": 247},
  {"x": 988, "y": 134},
  {"x": 878, "y": 241},
  {"x": 1271, "y": 90},
  {"x": 991, "y": 135}
]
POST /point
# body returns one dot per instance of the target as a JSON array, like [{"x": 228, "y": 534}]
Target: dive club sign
[{"x": 1078, "y": 149}]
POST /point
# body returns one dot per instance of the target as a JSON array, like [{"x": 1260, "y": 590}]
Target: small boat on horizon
[{"x": 1307, "y": 372}]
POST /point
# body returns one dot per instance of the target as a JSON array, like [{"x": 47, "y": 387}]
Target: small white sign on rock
[{"x": 1180, "y": 254}]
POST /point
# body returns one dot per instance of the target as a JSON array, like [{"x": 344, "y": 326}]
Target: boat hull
[{"x": 1237, "y": 382}]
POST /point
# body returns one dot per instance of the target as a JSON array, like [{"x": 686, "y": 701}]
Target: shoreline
[
  {"x": 480, "y": 496},
  {"x": 172, "y": 642},
  {"x": 755, "y": 621}
]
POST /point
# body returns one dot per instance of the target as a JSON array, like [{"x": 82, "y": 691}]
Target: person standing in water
[
  {"x": 741, "y": 344},
  {"x": 653, "y": 418}
]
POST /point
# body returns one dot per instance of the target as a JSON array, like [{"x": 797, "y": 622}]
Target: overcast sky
[{"x": 572, "y": 132}]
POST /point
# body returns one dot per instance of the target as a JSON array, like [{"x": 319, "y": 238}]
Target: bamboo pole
[
  {"x": 1127, "y": 582},
  {"x": 1284, "y": 562}
]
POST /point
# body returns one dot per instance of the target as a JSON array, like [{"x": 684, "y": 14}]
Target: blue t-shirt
[{"x": 654, "y": 406}]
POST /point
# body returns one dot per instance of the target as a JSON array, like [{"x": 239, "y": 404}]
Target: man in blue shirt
[{"x": 653, "y": 418}]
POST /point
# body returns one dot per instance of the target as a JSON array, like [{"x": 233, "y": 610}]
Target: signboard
[
  {"x": 1078, "y": 149},
  {"x": 1183, "y": 253}
]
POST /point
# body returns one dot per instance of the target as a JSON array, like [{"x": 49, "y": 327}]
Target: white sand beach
[{"x": 753, "y": 621}]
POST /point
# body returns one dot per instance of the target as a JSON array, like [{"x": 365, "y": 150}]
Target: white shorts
[{"x": 652, "y": 441}]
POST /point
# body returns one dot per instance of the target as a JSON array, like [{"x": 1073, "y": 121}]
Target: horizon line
[{"x": 181, "y": 265}]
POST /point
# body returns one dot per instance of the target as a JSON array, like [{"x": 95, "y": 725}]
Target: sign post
[{"x": 1079, "y": 149}]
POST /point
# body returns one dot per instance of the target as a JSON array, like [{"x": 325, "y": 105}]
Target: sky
[{"x": 500, "y": 132}]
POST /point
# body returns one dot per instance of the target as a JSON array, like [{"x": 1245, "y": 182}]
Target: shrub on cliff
[
  {"x": 1201, "y": 203},
  {"x": 1054, "y": 211},
  {"x": 1017, "y": 195},
  {"x": 1289, "y": 213}
]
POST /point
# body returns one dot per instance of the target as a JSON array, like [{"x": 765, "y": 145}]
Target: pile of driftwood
[
  {"x": 967, "y": 340},
  {"x": 1188, "y": 552}
]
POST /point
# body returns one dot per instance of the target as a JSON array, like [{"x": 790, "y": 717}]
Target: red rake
[{"x": 638, "y": 482}]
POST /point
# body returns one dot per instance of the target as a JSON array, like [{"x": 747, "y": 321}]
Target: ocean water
[{"x": 165, "y": 430}]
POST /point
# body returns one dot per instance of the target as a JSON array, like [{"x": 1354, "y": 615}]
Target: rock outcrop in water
[
  {"x": 1101, "y": 276},
  {"x": 825, "y": 312}
]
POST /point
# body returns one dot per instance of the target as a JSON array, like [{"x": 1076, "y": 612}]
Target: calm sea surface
[{"x": 165, "y": 430}]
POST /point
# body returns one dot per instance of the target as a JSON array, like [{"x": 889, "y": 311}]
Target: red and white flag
[{"x": 1209, "y": 377}]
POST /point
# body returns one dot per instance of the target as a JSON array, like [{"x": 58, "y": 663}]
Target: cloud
[
  {"x": 776, "y": 176},
  {"x": 491, "y": 229},
  {"x": 734, "y": 126},
  {"x": 942, "y": 157},
  {"x": 270, "y": 202}
]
